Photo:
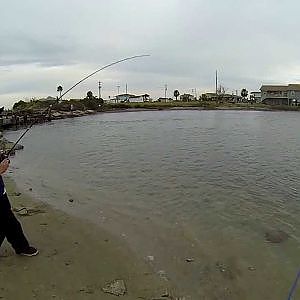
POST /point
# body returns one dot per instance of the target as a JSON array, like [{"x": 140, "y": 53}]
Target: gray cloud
[{"x": 249, "y": 42}]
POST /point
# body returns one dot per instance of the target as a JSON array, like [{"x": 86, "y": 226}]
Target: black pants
[{"x": 10, "y": 228}]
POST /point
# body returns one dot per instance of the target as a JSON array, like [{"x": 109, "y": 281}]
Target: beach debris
[
  {"x": 52, "y": 253},
  {"x": 35, "y": 293},
  {"x": 225, "y": 270},
  {"x": 67, "y": 263},
  {"x": 116, "y": 287},
  {"x": 276, "y": 236},
  {"x": 150, "y": 257},
  {"x": 23, "y": 211},
  {"x": 30, "y": 189},
  {"x": 71, "y": 200},
  {"x": 17, "y": 194},
  {"x": 167, "y": 295},
  {"x": 163, "y": 274},
  {"x": 221, "y": 267},
  {"x": 189, "y": 260},
  {"x": 251, "y": 268},
  {"x": 87, "y": 290}
]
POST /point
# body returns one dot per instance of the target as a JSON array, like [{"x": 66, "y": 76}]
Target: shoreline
[
  {"x": 76, "y": 260},
  {"x": 136, "y": 107}
]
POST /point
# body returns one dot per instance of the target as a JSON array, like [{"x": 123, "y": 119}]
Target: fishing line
[
  {"x": 294, "y": 286},
  {"x": 44, "y": 113}
]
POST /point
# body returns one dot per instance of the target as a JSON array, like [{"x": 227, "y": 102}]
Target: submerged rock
[{"x": 276, "y": 236}]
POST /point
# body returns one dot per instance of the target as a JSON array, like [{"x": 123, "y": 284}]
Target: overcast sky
[{"x": 46, "y": 44}]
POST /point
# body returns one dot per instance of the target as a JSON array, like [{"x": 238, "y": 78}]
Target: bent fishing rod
[{"x": 67, "y": 91}]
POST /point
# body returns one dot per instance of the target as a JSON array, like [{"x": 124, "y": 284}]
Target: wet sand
[{"x": 76, "y": 260}]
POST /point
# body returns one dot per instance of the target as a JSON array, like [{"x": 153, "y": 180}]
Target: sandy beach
[{"x": 77, "y": 259}]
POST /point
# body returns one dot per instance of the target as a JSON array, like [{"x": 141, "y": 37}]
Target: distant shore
[{"x": 23, "y": 118}]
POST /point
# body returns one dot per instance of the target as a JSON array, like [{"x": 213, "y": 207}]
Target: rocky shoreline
[
  {"x": 11, "y": 119},
  {"x": 23, "y": 120}
]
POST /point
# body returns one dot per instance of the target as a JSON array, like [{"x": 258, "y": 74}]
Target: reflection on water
[{"x": 203, "y": 183}]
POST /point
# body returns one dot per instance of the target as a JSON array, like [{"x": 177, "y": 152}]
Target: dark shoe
[{"x": 30, "y": 251}]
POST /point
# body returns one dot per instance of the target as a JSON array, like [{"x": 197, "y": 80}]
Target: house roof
[
  {"x": 189, "y": 95},
  {"x": 274, "y": 88},
  {"x": 278, "y": 88},
  {"x": 125, "y": 95}
]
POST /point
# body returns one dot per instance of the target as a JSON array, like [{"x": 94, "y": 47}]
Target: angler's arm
[{"x": 4, "y": 166}]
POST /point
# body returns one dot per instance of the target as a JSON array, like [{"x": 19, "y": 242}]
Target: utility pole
[
  {"x": 216, "y": 82},
  {"x": 126, "y": 88},
  {"x": 166, "y": 88},
  {"x": 100, "y": 86},
  {"x": 118, "y": 87}
]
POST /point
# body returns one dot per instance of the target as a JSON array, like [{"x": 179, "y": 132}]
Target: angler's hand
[{"x": 4, "y": 165}]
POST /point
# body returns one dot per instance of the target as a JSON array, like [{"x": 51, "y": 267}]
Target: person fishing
[{"x": 10, "y": 228}]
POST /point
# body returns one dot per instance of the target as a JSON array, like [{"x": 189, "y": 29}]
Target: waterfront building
[
  {"x": 228, "y": 98},
  {"x": 132, "y": 98},
  {"x": 187, "y": 97},
  {"x": 280, "y": 94}
]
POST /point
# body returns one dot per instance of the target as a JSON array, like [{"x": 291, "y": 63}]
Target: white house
[{"x": 132, "y": 98}]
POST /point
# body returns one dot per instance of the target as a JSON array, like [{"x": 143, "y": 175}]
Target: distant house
[
  {"x": 132, "y": 98},
  {"x": 124, "y": 97},
  {"x": 110, "y": 100},
  {"x": 140, "y": 98},
  {"x": 187, "y": 97},
  {"x": 280, "y": 94},
  {"x": 49, "y": 98},
  {"x": 230, "y": 98},
  {"x": 209, "y": 96},
  {"x": 255, "y": 97}
]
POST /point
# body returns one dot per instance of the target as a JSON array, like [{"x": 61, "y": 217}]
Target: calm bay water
[{"x": 184, "y": 184}]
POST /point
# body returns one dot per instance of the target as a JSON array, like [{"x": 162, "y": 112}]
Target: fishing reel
[{"x": 3, "y": 155}]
